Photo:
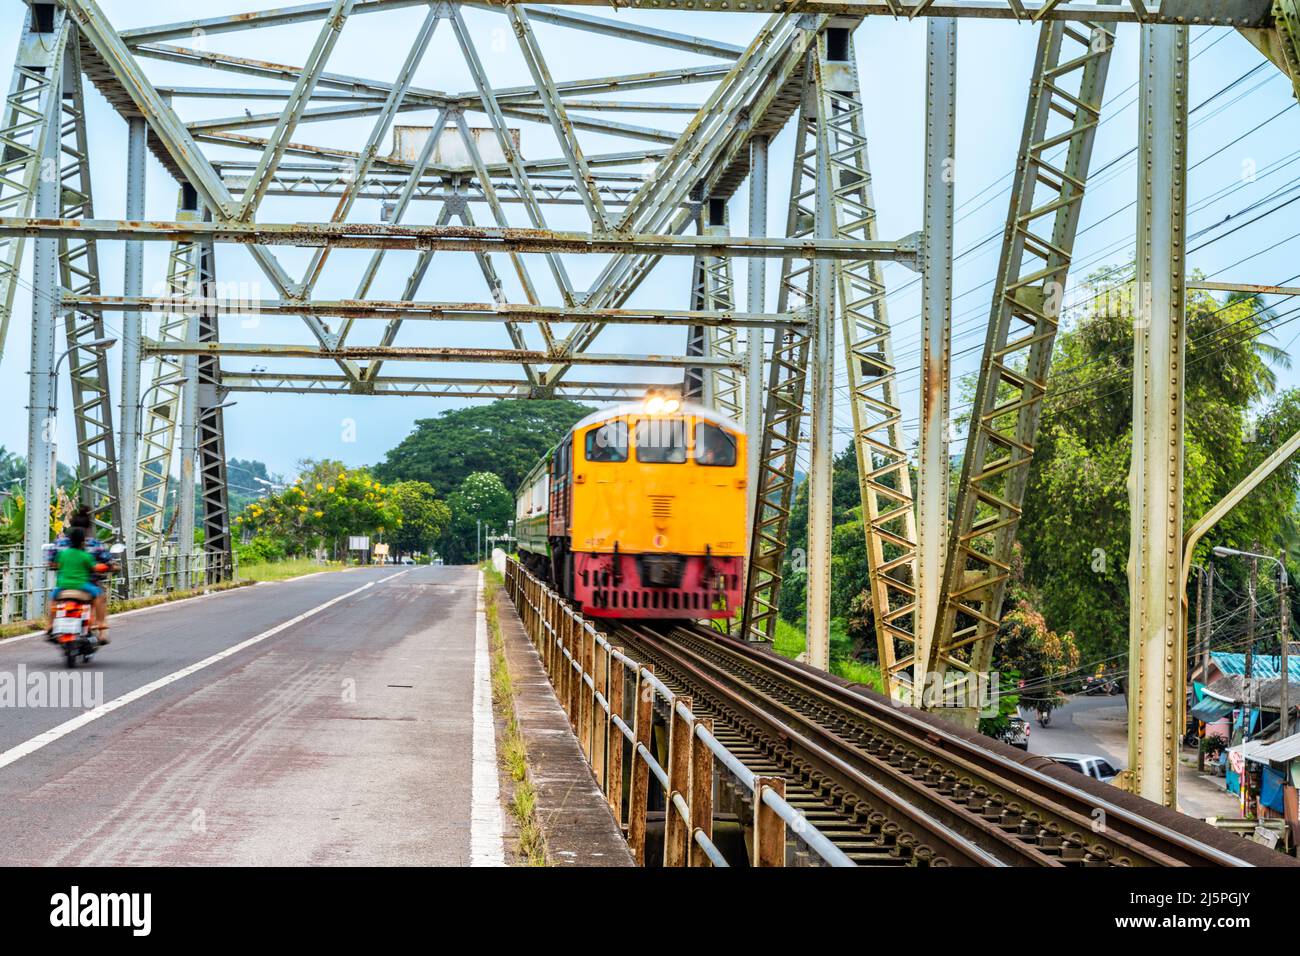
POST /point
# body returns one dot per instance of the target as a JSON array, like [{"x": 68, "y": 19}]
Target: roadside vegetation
[
  {"x": 1065, "y": 612},
  {"x": 285, "y": 569},
  {"x": 512, "y": 752}
]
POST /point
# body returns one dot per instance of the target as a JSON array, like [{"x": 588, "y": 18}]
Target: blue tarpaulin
[{"x": 1271, "y": 789}]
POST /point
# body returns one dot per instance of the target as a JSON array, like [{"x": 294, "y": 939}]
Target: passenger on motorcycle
[{"x": 78, "y": 539}]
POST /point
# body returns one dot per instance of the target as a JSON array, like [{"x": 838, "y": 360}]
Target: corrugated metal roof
[
  {"x": 1288, "y": 748},
  {"x": 1264, "y": 665},
  {"x": 1250, "y": 749}
]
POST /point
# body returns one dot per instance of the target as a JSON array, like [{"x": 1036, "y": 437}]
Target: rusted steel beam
[
  {"x": 769, "y": 828},
  {"x": 639, "y": 805},
  {"x": 429, "y": 311},
  {"x": 677, "y": 828},
  {"x": 1218, "y": 12},
  {"x": 416, "y": 353},
  {"x": 1244, "y": 287},
  {"x": 614, "y": 777},
  {"x": 599, "y": 723},
  {"x": 344, "y": 235},
  {"x": 701, "y": 800},
  {"x": 587, "y": 697}
]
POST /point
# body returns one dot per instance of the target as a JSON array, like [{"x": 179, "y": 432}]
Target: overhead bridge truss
[{"x": 573, "y": 194}]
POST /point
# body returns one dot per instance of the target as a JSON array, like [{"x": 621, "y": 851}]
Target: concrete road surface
[{"x": 325, "y": 720}]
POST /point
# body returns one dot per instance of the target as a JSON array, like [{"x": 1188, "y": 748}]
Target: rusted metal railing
[
  {"x": 592, "y": 678},
  {"x": 23, "y": 588}
]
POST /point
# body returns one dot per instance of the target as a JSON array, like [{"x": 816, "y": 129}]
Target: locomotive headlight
[{"x": 654, "y": 405}]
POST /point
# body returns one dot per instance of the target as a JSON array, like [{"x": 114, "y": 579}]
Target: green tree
[
  {"x": 425, "y": 519},
  {"x": 1075, "y": 530},
  {"x": 506, "y": 438},
  {"x": 481, "y": 497},
  {"x": 321, "y": 509}
]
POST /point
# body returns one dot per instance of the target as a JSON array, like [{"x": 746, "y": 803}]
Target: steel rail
[
  {"x": 930, "y": 829},
  {"x": 557, "y": 631},
  {"x": 1127, "y": 831}
]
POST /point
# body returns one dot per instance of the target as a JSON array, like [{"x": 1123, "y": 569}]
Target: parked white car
[{"x": 1090, "y": 765}]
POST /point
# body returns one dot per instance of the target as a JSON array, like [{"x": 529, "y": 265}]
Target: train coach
[{"x": 639, "y": 512}]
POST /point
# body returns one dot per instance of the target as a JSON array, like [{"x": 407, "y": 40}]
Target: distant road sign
[{"x": 359, "y": 542}]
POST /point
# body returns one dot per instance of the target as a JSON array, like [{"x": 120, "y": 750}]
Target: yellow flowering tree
[{"x": 322, "y": 508}]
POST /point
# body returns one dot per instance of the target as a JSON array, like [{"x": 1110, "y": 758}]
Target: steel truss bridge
[{"x": 936, "y": 584}]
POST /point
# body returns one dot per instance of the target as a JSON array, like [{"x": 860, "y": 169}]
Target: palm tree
[{"x": 1264, "y": 318}]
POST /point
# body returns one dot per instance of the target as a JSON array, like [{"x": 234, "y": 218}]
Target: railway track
[{"x": 889, "y": 788}]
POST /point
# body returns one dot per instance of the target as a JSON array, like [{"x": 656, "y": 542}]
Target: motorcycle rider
[
  {"x": 82, "y": 520},
  {"x": 76, "y": 566}
]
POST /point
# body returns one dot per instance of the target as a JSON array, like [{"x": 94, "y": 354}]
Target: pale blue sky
[{"x": 1242, "y": 125}]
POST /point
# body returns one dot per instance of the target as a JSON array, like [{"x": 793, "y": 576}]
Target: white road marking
[
  {"x": 154, "y": 607},
  {"x": 164, "y": 605},
  {"x": 486, "y": 838},
  {"x": 81, "y": 720}
]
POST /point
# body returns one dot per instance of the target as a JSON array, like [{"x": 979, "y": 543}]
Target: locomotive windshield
[
  {"x": 714, "y": 447},
  {"x": 661, "y": 441},
  {"x": 608, "y": 442}
]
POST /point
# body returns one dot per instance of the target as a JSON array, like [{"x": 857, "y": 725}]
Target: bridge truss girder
[
  {"x": 830, "y": 264},
  {"x": 1067, "y": 87}
]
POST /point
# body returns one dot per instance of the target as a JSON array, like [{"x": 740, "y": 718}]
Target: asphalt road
[
  {"x": 1099, "y": 726},
  {"x": 345, "y": 736}
]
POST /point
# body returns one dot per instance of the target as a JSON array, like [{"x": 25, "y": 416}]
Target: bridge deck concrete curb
[{"x": 572, "y": 812}]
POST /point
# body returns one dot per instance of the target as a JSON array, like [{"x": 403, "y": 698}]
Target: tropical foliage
[
  {"x": 320, "y": 509},
  {"x": 424, "y": 519},
  {"x": 481, "y": 504},
  {"x": 1068, "y": 602},
  {"x": 505, "y": 438}
]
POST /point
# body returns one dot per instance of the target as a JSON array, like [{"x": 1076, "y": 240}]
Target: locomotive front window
[
  {"x": 714, "y": 447},
  {"x": 608, "y": 442},
  {"x": 661, "y": 441}
]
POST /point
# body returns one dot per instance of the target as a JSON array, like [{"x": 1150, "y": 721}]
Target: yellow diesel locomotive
[{"x": 640, "y": 512}]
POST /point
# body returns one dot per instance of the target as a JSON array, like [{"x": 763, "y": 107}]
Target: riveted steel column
[
  {"x": 821, "y": 380},
  {"x": 936, "y": 335},
  {"x": 189, "y": 445},
  {"x": 132, "y": 284},
  {"x": 754, "y": 300},
  {"x": 41, "y": 401},
  {"x": 1157, "y": 650}
]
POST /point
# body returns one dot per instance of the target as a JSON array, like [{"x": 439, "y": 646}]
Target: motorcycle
[
  {"x": 71, "y": 622},
  {"x": 70, "y": 628},
  {"x": 1044, "y": 718}
]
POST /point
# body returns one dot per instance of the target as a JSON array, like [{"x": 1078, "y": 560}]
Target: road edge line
[{"x": 486, "y": 833}]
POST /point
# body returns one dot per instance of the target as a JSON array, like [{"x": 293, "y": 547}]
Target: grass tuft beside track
[{"x": 512, "y": 751}]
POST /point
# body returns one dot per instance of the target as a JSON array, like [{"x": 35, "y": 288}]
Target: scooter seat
[{"x": 71, "y": 594}]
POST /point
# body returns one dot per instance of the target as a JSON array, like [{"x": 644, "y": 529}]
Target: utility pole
[
  {"x": 1209, "y": 616},
  {"x": 1201, "y": 592},
  {"x": 1284, "y": 635},
  {"x": 1247, "y": 682},
  {"x": 1248, "y": 671}
]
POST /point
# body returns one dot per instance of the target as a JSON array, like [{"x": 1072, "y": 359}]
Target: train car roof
[
  {"x": 638, "y": 408},
  {"x": 616, "y": 411}
]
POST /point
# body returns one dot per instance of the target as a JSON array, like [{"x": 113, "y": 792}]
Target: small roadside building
[{"x": 1280, "y": 780}]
